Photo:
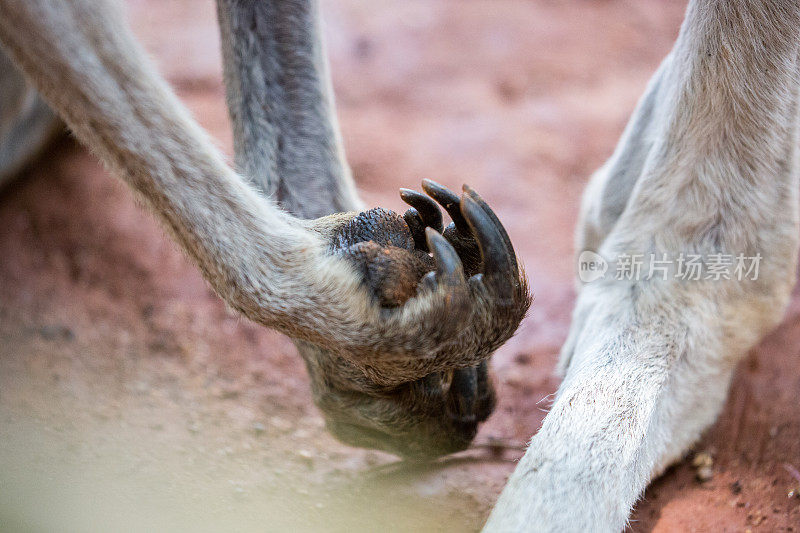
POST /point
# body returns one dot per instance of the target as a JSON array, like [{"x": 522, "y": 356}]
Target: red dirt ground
[{"x": 131, "y": 399}]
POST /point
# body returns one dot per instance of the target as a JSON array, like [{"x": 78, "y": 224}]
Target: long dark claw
[
  {"x": 417, "y": 227},
  {"x": 448, "y": 265},
  {"x": 497, "y": 258},
  {"x": 427, "y": 208},
  {"x": 487, "y": 399},
  {"x": 488, "y": 210},
  {"x": 464, "y": 392},
  {"x": 449, "y": 201},
  {"x": 430, "y": 385}
]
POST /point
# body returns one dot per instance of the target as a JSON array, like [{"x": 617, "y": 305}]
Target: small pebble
[
  {"x": 702, "y": 459},
  {"x": 704, "y": 473},
  {"x": 703, "y": 464}
]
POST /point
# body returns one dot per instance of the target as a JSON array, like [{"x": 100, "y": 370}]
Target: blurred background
[{"x": 130, "y": 399}]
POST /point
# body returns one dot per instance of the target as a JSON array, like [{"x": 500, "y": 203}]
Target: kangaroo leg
[
  {"x": 310, "y": 279},
  {"x": 287, "y": 141},
  {"x": 27, "y": 124},
  {"x": 286, "y": 135},
  {"x": 708, "y": 167},
  {"x": 609, "y": 188}
]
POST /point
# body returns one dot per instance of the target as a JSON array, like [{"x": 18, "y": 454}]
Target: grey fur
[
  {"x": 371, "y": 366},
  {"x": 286, "y": 135},
  {"x": 709, "y": 162},
  {"x": 27, "y": 124}
]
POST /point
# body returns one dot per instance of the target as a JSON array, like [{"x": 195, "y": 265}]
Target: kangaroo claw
[
  {"x": 425, "y": 206},
  {"x": 448, "y": 265},
  {"x": 449, "y": 201},
  {"x": 499, "y": 267}
]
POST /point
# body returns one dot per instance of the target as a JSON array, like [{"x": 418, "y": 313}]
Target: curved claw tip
[
  {"x": 431, "y": 183},
  {"x": 448, "y": 264},
  {"x": 449, "y": 200},
  {"x": 426, "y": 207},
  {"x": 496, "y": 257},
  {"x": 464, "y": 391},
  {"x": 473, "y": 195},
  {"x": 437, "y": 190}
]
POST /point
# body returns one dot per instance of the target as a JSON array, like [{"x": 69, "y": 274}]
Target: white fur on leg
[{"x": 707, "y": 165}]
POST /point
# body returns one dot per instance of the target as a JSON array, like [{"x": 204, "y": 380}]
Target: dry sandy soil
[{"x": 130, "y": 399}]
